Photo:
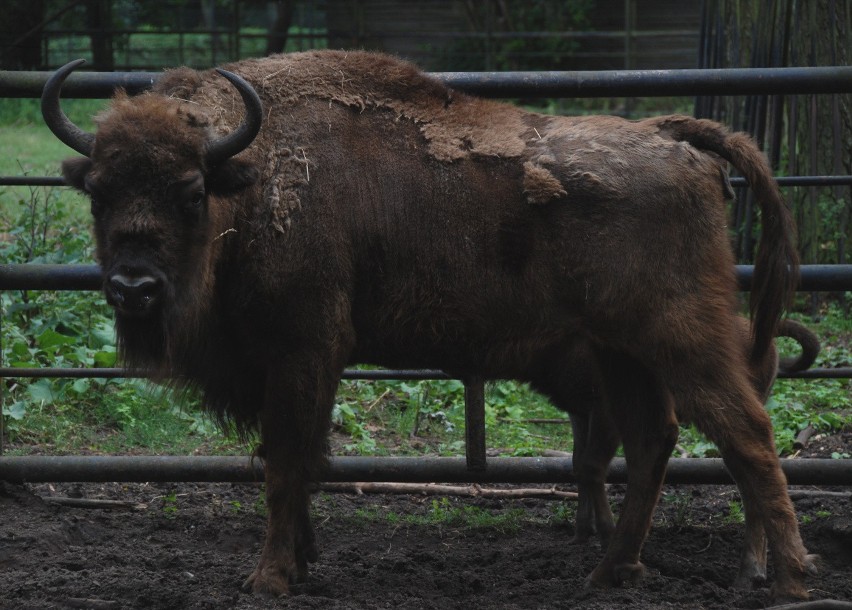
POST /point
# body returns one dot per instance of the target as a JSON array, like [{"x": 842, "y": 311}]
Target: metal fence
[{"x": 475, "y": 467}]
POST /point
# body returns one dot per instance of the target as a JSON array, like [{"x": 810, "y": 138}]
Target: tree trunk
[
  {"x": 774, "y": 33},
  {"x": 277, "y": 39},
  {"x": 99, "y": 24},
  {"x": 20, "y": 35}
]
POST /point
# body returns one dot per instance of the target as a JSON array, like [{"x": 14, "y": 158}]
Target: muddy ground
[{"x": 190, "y": 546}]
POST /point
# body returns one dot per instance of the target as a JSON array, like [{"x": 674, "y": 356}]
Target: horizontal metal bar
[
  {"x": 841, "y": 372},
  {"x": 32, "y": 181},
  {"x": 88, "y": 277},
  {"x": 119, "y": 373},
  {"x": 602, "y": 83},
  {"x": 653, "y": 83},
  {"x": 81, "y": 85},
  {"x": 711, "y": 471},
  {"x": 783, "y": 181},
  {"x": 813, "y": 278},
  {"x": 50, "y": 277},
  {"x": 371, "y": 374}
]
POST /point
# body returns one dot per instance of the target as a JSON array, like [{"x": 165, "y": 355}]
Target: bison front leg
[{"x": 294, "y": 423}]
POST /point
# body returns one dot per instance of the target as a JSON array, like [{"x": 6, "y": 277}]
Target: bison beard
[{"x": 380, "y": 217}]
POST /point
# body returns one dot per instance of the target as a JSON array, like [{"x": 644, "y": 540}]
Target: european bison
[
  {"x": 596, "y": 438},
  {"x": 259, "y": 232}
]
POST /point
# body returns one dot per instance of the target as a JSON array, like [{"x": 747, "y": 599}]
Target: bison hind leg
[{"x": 718, "y": 398}]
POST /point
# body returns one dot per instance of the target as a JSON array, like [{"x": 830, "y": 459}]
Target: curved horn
[
  {"x": 59, "y": 124},
  {"x": 238, "y": 140}
]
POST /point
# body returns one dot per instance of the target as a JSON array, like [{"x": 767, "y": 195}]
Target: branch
[
  {"x": 87, "y": 503},
  {"x": 803, "y": 437},
  {"x": 433, "y": 489},
  {"x": 93, "y": 604},
  {"x": 797, "y": 494}
]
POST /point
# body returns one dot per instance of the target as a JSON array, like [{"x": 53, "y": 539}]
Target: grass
[{"x": 455, "y": 514}]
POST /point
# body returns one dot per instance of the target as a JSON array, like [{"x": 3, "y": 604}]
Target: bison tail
[
  {"x": 776, "y": 268},
  {"x": 808, "y": 342}
]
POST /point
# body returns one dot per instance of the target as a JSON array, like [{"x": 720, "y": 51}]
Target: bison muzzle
[{"x": 262, "y": 227}]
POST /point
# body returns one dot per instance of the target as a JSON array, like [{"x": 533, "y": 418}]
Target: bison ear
[
  {"x": 74, "y": 171},
  {"x": 231, "y": 176}
]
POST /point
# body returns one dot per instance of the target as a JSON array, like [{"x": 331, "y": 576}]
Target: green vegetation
[
  {"x": 170, "y": 507},
  {"x": 736, "y": 513},
  {"x": 455, "y": 514},
  {"x": 682, "y": 503}
]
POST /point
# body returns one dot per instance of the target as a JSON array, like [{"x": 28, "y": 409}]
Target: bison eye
[{"x": 194, "y": 202}]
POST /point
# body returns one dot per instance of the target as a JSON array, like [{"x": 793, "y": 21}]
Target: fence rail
[
  {"x": 605, "y": 83},
  {"x": 240, "y": 469}
]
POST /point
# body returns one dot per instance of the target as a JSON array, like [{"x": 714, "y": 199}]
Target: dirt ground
[{"x": 190, "y": 546}]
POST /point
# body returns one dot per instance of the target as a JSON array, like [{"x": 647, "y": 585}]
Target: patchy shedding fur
[{"x": 540, "y": 185}]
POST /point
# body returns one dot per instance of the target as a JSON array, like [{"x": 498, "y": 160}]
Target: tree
[
  {"x": 20, "y": 34},
  {"x": 277, "y": 39},
  {"x": 100, "y": 26},
  {"x": 802, "y": 134}
]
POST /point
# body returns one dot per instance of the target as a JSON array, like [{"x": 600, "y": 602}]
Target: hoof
[
  {"x": 749, "y": 582},
  {"x": 750, "y": 577},
  {"x": 792, "y": 588},
  {"x": 812, "y": 564},
  {"x": 268, "y": 581},
  {"x": 606, "y": 577},
  {"x": 630, "y": 573}
]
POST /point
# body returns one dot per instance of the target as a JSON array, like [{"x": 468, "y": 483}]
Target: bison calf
[
  {"x": 260, "y": 228},
  {"x": 596, "y": 438}
]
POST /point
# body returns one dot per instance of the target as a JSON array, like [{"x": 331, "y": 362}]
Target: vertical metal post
[{"x": 474, "y": 416}]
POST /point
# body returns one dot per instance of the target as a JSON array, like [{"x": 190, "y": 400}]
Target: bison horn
[
  {"x": 82, "y": 142},
  {"x": 238, "y": 140},
  {"x": 60, "y": 124}
]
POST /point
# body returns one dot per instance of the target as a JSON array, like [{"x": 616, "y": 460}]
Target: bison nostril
[{"x": 133, "y": 293}]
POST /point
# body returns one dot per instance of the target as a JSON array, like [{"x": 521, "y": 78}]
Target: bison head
[{"x": 160, "y": 184}]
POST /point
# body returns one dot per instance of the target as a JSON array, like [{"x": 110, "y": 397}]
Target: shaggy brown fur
[
  {"x": 394, "y": 221},
  {"x": 596, "y": 437}
]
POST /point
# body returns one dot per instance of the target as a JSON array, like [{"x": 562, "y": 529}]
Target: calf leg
[
  {"x": 595, "y": 443},
  {"x": 570, "y": 380},
  {"x": 584, "y": 526},
  {"x": 603, "y": 443},
  {"x": 645, "y": 418}
]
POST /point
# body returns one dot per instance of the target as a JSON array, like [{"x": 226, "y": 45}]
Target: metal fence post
[{"x": 474, "y": 423}]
